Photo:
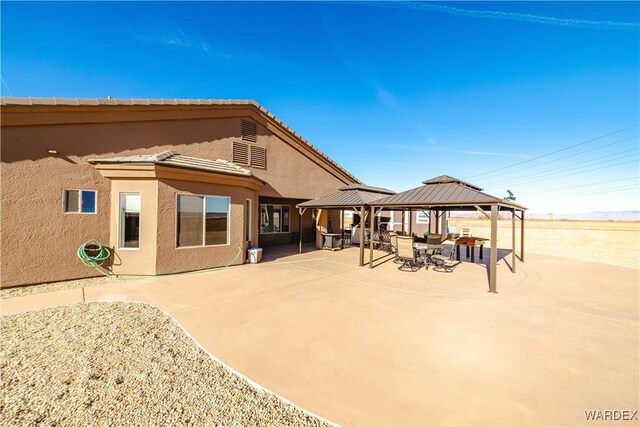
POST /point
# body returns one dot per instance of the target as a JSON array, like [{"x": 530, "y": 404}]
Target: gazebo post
[
  {"x": 403, "y": 215},
  {"x": 411, "y": 222},
  {"x": 371, "y": 221},
  {"x": 362, "y": 235},
  {"x": 513, "y": 240},
  {"x": 494, "y": 249},
  {"x": 301, "y": 212},
  {"x": 522, "y": 236},
  {"x": 342, "y": 229},
  {"x": 433, "y": 221},
  {"x": 443, "y": 224}
]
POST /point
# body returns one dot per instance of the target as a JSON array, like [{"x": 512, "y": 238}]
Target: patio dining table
[
  {"x": 426, "y": 250},
  {"x": 470, "y": 242}
]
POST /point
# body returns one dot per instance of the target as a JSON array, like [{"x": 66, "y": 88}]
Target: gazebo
[
  {"x": 444, "y": 194},
  {"x": 355, "y": 197}
]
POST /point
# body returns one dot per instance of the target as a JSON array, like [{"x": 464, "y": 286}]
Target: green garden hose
[
  {"x": 99, "y": 254},
  {"x": 93, "y": 254}
]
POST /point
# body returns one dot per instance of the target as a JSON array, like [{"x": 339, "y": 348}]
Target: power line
[
  {"x": 579, "y": 165},
  {"x": 5, "y": 85},
  {"x": 579, "y": 186},
  {"x": 565, "y": 157},
  {"x": 585, "y": 171},
  {"x": 553, "y": 152},
  {"x": 613, "y": 190}
]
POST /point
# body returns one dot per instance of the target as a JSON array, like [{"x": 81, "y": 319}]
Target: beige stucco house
[{"x": 168, "y": 185}]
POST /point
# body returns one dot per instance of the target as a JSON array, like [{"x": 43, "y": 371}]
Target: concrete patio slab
[{"x": 363, "y": 346}]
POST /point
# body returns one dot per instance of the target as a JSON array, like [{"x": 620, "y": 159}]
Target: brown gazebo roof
[
  {"x": 354, "y": 195},
  {"x": 444, "y": 192}
]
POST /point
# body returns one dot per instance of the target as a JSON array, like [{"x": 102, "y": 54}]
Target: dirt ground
[{"x": 606, "y": 242}]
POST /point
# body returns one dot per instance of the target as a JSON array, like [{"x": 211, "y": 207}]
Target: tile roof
[
  {"x": 169, "y": 158},
  {"x": 33, "y": 101}
]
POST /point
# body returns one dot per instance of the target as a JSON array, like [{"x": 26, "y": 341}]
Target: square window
[
  {"x": 79, "y": 201},
  {"x": 202, "y": 220}
]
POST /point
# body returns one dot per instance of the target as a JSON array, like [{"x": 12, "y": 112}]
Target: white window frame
[
  {"x": 274, "y": 232},
  {"x": 204, "y": 221},
  {"x": 80, "y": 191},
  {"x": 120, "y": 225},
  {"x": 248, "y": 207}
]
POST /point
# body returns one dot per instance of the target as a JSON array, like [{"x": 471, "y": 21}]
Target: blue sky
[{"x": 395, "y": 92}]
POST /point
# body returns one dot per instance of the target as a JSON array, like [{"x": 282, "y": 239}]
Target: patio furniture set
[{"x": 413, "y": 254}]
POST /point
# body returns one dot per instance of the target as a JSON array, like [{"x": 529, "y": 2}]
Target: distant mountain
[{"x": 593, "y": 216}]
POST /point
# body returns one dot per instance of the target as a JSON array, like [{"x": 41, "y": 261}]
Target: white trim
[
  {"x": 204, "y": 221},
  {"x": 119, "y": 221},
  {"x": 80, "y": 191},
  {"x": 248, "y": 214}
]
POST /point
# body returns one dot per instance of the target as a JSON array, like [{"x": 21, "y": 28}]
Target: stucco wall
[
  {"x": 32, "y": 222},
  {"x": 39, "y": 240},
  {"x": 140, "y": 261},
  {"x": 173, "y": 259}
]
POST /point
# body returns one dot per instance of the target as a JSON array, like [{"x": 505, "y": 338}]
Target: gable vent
[
  {"x": 240, "y": 153},
  {"x": 249, "y": 131},
  {"x": 258, "y": 157}
]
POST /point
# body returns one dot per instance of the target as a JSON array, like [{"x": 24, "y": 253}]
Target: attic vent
[
  {"x": 258, "y": 157},
  {"x": 249, "y": 131},
  {"x": 240, "y": 153}
]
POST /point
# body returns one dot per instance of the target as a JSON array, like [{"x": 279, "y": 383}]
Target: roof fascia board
[
  {"x": 18, "y": 115},
  {"x": 151, "y": 171}
]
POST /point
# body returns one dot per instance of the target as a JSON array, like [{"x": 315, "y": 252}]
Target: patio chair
[
  {"x": 346, "y": 238},
  {"x": 393, "y": 240},
  {"x": 384, "y": 241},
  {"x": 434, "y": 239},
  {"x": 445, "y": 263},
  {"x": 355, "y": 236},
  {"x": 434, "y": 242},
  {"x": 407, "y": 254},
  {"x": 465, "y": 232}
]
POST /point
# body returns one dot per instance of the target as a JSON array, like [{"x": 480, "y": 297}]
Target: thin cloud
[
  {"x": 304, "y": 110},
  {"x": 402, "y": 147},
  {"x": 386, "y": 97},
  {"x": 510, "y": 16},
  {"x": 389, "y": 162},
  {"x": 176, "y": 38},
  {"x": 433, "y": 144},
  {"x": 488, "y": 153}
]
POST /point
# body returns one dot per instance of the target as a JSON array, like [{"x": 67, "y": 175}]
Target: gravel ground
[
  {"x": 122, "y": 364},
  {"x": 56, "y": 286}
]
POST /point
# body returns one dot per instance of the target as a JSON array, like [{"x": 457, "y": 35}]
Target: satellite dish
[{"x": 511, "y": 196}]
